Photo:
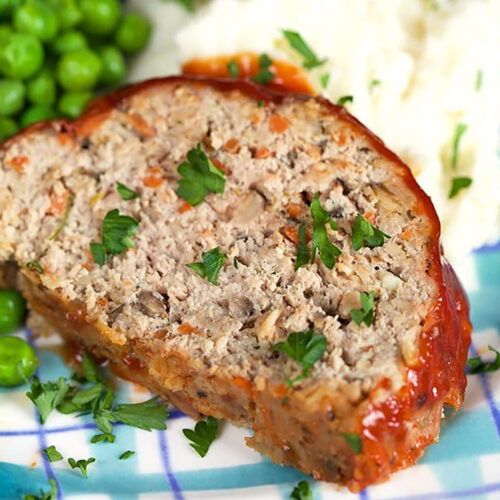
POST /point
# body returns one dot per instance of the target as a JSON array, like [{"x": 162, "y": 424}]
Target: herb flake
[
  {"x": 50, "y": 495},
  {"x": 127, "y": 454},
  {"x": 341, "y": 101},
  {"x": 477, "y": 365},
  {"x": 325, "y": 80},
  {"x": 459, "y": 132},
  {"x": 328, "y": 252},
  {"x": 202, "y": 436},
  {"x": 64, "y": 220},
  {"x": 47, "y": 396},
  {"x": 126, "y": 193},
  {"x": 35, "y": 266},
  {"x": 366, "y": 313},
  {"x": 304, "y": 347},
  {"x": 479, "y": 80},
  {"x": 52, "y": 454},
  {"x": 81, "y": 464},
  {"x": 299, "y": 44},
  {"x": 233, "y": 69},
  {"x": 457, "y": 184},
  {"x": 302, "y": 491},
  {"x": 364, "y": 233},
  {"x": 199, "y": 177},
  {"x": 264, "y": 76},
  {"x": 354, "y": 441},
  {"x": 213, "y": 261}
]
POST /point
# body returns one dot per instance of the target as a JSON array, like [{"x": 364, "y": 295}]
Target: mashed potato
[{"x": 416, "y": 69}]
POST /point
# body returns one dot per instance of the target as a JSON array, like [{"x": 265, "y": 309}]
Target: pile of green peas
[
  {"x": 18, "y": 360},
  {"x": 55, "y": 54}
]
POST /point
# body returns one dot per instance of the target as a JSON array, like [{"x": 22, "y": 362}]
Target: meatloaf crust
[{"x": 208, "y": 348}]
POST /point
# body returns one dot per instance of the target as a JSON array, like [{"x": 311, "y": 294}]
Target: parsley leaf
[
  {"x": 212, "y": 263},
  {"x": 47, "y": 396},
  {"x": 304, "y": 347},
  {"x": 81, "y": 464},
  {"x": 302, "y": 491},
  {"x": 126, "y": 193},
  {"x": 35, "y": 266},
  {"x": 479, "y": 80},
  {"x": 52, "y": 454},
  {"x": 476, "y": 365},
  {"x": 354, "y": 441},
  {"x": 459, "y": 132},
  {"x": 365, "y": 233},
  {"x": 366, "y": 313},
  {"x": 233, "y": 69},
  {"x": 202, "y": 436},
  {"x": 117, "y": 231},
  {"x": 126, "y": 454},
  {"x": 325, "y": 80},
  {"x": 457, "y": 184},
  {"x": 264, "y": 76},
  {"x": 99, "y": 438},
  {"x": 235, "y": 263},
  {"x": 320, "y": 241},
  {"x": 50, "y": 495},
  {"x": 374, "y": 83},
  {"x": 302, "y": 250},
  {"x": 298, "y": 43},
  {"x": 90, "y": 369},
  {"x": 200, "y": 177},
  {"x": 345, "y": 98}
]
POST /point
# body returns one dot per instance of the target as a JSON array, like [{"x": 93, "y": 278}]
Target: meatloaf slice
[{"x": 374, "y": 399}]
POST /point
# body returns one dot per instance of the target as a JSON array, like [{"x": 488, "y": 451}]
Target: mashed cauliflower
[{"x": 415, "y": 68}]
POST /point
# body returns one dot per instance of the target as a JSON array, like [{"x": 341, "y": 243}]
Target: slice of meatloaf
[{"x": 374, "y": 399}]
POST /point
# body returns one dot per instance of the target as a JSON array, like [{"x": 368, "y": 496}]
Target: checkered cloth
[{"x": 465, "y": 464}]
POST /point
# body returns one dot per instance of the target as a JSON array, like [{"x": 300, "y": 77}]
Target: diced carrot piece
[
  {"x": 18, "y": 163},
  {"x": 292, "y": 233},
  {"x": 58, "y": 203},
  {"x": 232, "y": 146},
  {"x": 278, "y": 124},
  {"x": 188, "y": 328},
  {"x": 255, "y": 118},
  {"x": 185, "y": 207},
  {"x": 370, "y": 217},
  {"x": 294, "y": 209},
  {"x": 220, "y": 166},
  {"x": 243, "y": 384},
  {"x": 262, "y": 153},
  {"x": 280, "y": 391},
  {"x": 405, "y": 235},
  {"x": 138, "y": 123},
  {"x": 153, "y": 179}
]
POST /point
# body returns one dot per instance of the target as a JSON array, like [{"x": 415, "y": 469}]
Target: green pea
[
  {"x": 114, "y": 67},
  {"x": 8, "y": 128},
  {"x": 37, "y": 113},
  {"x": 73, "y": 104},
  {"x": 21, "y": 56},
  {"x": 12, "y": 94},
  {"x": 18, "y": 361},
  {"x": 133, "y": 33},
  {"x": 79, "y": 70},
  {"x": 42, "y": 89},
  {"x": 69, "y": 42},
  {"x": 38, "y": 19},
  {"x": 12, "y": 310},
  {"x": 7, "y": 6},
  {"x": 68, "y": 12},
  {"x": 100, "y": 17}
]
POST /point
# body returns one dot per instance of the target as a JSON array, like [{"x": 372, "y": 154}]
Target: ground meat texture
[{"x": 207, "y": 348}]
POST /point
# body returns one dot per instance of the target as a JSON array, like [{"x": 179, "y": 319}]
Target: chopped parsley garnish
[
  {"x": 47, "y": 396},
  {"x": 126, "y": 193},
  {"x": 298, "y": 43},
  {"x": 235, "y": 263},
  {"x": 52, "y": 454},
  {"x": 374, "y": 83},
  {"x": 365, "y": 314},
  {"x": 117, "y": 231},
  {"x": 260, "y": 104},
  {"x": 212, "y": 263},
  {"x": 320, "y": 241},
  {"x": 304, "y": 347},
  {"x": 325, "y": 80},
  {"x": 202, "y": 436},
  {"x": 264, "y": 76},
  {"x": 354, "y": 441},
  {"x": 127, "y": 454},
  {"x": 479, "y": 80},
  {"x": 100, "y": 438},
  {"x": 345, "y": 98},
  {"x": 199, "y": 177},
  {"x": 476, "y": 365},
  {"x": 302, "y": 491},
  {"x": 459, "y": 132},
  {"x": 81, "y": 464},
  {"x": 35, "y": 266},
  {"x": 302, "y": 249},
  {"x": 364, "y": 233},
  {"x": 233, "y": 69},
  {"x": 64, "y": 220},
  {"x": 457, "y": 184},
  {"x": 50, "y": 495}
]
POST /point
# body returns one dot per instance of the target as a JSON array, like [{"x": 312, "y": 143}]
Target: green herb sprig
[
  {"x": 364, "y": 233},
  {"x": 328, "y": 252},
  {"x": 457, "y": 137},
  {"x": 126, "y": 193},
  {"x": 477, "y": 365},
  {"x": 302, "y": 491},
  {"x": 457, "y": 184},
  {"x": 366, "y": 313},
  {"x": 81, "y": 464},
  {"x": 299, "y": 44},
  {"x": 202, "y": 436},
  {"x": 213, "y": 261},
  {"x": 265, "y": 75},
  {"x": 52, "y": 454}
]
